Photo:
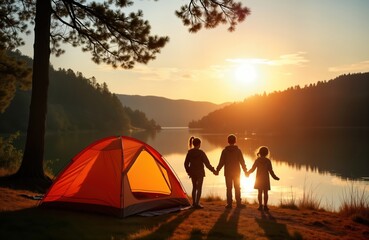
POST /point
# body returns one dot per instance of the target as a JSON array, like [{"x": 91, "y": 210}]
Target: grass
[
  {"x": 292, "y": 219},
  {"x": 211, "y": 197},
  {"x": 309, "y": 200},
  {"x": 20, "y": 218},
  {"x": 290, "y": 203},
  {"x": 355, "y": 203}
]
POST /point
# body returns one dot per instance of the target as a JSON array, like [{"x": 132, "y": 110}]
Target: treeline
[
  {"x": 342, "y": 102},
  {"x": 75, "y": 103}
]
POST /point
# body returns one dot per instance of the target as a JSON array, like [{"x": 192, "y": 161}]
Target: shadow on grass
[
  {"x": 273, "y": 229},
  {"x": 36, "y": 223},
  {"x": 166, "y": 230},
  {"x": 226, "y": 226}
]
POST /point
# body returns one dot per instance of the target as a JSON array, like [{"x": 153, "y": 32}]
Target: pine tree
[
  {"x": 111, "y": 36},
  {"x": 14, "y": 74}
]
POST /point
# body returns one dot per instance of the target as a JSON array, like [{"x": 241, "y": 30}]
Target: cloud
[
  {"x": 172, "y": 74},
  {"x": 354, "y": 67},
  {"x": 287, "y": 59},
  {"x": 218, "y": 72},
  {"x": 291, "y": 59},
  {"x": 157, "y": 73},
  {"x": 249, "y": 60},
  {"x": 149, "y": 73}
]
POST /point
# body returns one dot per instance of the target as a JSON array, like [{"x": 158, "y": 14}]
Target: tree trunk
[{"x": 33, "y": 158}]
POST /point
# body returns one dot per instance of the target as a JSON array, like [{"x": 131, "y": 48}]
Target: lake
[{"x": 326, "y": 164}]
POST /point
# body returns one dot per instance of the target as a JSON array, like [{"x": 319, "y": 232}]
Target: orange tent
[{"x": 121, "y": 176}]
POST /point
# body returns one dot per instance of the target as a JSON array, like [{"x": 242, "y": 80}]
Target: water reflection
[
  {"x": 341, "y": 152},
  {"x": 322, "y": 163},
  {"x": 325, "y": 162}
]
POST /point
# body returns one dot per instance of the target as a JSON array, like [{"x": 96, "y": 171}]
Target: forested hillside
[
  {"x": 75, "y": 103},
  {"x": 169, "y": 112},
  {"x": 342, "y": 102}
]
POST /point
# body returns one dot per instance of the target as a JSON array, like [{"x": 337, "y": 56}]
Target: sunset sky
[{"x": 281, "y": 44}]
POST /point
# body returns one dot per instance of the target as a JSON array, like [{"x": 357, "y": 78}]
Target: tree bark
[{"x": 33, "y": 158}]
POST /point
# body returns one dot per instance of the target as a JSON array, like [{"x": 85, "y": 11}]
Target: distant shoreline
[{"x": 174, "y": 128}]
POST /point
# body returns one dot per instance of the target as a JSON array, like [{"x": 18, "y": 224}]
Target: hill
[
  {"x": 75, "y": 103},
  {"x": 342, "y": 102},
  {"x": 167, "y": 112}
]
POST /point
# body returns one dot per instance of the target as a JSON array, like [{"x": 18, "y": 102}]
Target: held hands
[
  {"x": 247, "y": 174},
  {"x": 216, "y": 173}
]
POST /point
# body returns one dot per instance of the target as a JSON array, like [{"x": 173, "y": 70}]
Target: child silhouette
[
  {"x": 262, "y": 182},
  {"x": 194, "y": 165}
]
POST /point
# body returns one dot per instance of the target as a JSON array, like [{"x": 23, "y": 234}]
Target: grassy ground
[{"x": 21, "y": 219}]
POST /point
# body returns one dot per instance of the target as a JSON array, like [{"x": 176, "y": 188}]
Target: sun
[
  {"x": 247, "y": 184},
  {"x": 245, "y": 73}
]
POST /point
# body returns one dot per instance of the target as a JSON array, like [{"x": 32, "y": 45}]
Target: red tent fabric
[{"x": 121, "y": 176}]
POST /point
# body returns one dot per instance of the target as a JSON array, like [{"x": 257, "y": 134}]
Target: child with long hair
[
  {"x": 194, "y": 165},
  {"x": 262, "y": 182}
]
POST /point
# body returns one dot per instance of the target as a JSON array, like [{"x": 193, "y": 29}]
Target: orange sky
[{"x": 282, "y": 44}]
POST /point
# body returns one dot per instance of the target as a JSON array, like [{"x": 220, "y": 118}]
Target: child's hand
[
  {"x": 247, "y": 174},
  {"x": 277, "y": 178}
]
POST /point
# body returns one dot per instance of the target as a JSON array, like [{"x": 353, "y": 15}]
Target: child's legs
[
  {"x": 260, "y": 191},
  {"x": 265, "y": 197},
  {"x": 237, "y": 189},
  {"x": 196, "y": 189},
  {"x": 229, "y": 184},
  {"x": 199, "y": 189}
]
